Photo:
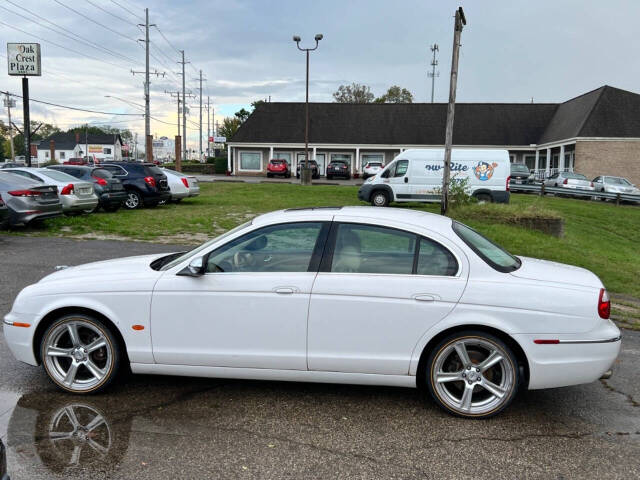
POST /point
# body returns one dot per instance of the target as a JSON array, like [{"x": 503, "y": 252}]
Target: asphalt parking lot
[{"x": 170, "y": 427}]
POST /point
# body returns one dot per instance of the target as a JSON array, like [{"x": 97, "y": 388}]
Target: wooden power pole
[{"x": 448, "y": 141}]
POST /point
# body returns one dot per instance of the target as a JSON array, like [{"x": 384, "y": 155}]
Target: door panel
[
  {"x": 366, "y": 322},
  {"x": 232, "y": 320},
  {"x": 250, "y": 309}
]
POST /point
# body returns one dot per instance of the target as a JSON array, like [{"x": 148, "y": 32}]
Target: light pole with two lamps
[{"x": 305, "y": 171}]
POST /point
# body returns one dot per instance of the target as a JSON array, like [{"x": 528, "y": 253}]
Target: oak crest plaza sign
[{"x": 23, "y": 59}]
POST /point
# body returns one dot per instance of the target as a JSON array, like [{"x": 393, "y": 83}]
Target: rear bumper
[
  {"x": 113, "y": 198},
  {"x": 25, "y": 213},
  {"x": 575, "y": 360},
  {"x": 72, "y": 203}
]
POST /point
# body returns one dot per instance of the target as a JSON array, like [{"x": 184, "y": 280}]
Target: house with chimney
[{"x": 99, "y": 147}]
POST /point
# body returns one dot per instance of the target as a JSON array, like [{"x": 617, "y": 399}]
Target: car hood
[
  {"x": 128, "y": 266},
  {"x": 544, "y": 270}
]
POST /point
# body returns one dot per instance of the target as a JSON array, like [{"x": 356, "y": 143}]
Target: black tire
[
  {"x": 329, "y": 177},
  {"x": 297, "y": 175},
  {"x": 269, "y": 175},
  {"x": 111, "y": 351},
  {"x": 379, "y": 198},
  {"x": 177, "y": 200},
  {"x": 484, "y": 197},
  {"x": 112, "y": 208},
  {"x": 509, "y": 374},
  {"x": 134, "y": 200}
]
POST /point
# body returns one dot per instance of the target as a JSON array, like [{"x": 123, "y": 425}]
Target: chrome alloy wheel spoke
[
  {"x": 491, "y": 387},
  {"x": 493, "y": 359},
  {"x": 467, "y": 397},
  {"x": 442, "y": 377},
  {"x": 461, "y": 350},
  {"x": 59, "y": 352}
]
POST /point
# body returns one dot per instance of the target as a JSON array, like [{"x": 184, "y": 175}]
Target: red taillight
[
  {"x": 604, "y": 304},
  {"x": 68, "y": 190},
  {"x": 591, "y": 184},
  {"x": 508, "y": 180},
  {"x": 100, "y": 181},
  {"x": 366, "y": 166},
  {"x": 150, "y": 181},
  {"x": 25, "y": 193},
  {"x": 185, "y": 182},
  {"x": 565, "y": 182}
]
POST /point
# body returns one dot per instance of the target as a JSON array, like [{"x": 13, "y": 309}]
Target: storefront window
[
  {"x": 250, "y": 161},
  {"x": 372, "y": 157},
  {"x": 282, "y": 156},
  {"x": 343, "y": 157}
]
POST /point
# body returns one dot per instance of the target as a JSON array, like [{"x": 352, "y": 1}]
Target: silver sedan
[
  {"x": 28, "y": 200},
  {"x": 76, "y": 195},
  {"x": 569, "y": 180},
  {"x": 610, "y": 184},
  {"x": 181, "y": 185}
]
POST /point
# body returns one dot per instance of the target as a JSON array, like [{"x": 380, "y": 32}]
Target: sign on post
[
  {"x": 23, "y": 59},
  {"x": 219, "y": 139}
]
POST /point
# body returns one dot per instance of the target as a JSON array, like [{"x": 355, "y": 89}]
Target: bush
[
  {"x": 211, "y": 160},
  {"x": 221, "y": 164}
]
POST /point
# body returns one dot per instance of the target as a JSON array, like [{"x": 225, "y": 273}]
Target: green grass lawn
[{"x": 598, "y": 236}]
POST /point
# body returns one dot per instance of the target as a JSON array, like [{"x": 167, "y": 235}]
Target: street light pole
[{"x": 305, "y": 171}]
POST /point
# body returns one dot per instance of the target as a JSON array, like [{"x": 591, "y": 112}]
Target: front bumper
[
  {"x": 364, "y": 192},
  {"x": 20, "y": 339}
]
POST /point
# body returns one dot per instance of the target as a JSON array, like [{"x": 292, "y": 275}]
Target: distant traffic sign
[
  {"x": 23, "y": 59},
  {"x": 219, "y": 139}
]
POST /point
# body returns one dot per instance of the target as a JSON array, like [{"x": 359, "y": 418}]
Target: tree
[
  {"x": 242, "y": 115},
  {"x": 257, "y": 103},
  {"x": 230, "y": 126},
  {"x": 395, "y": 94},
  {"x": 354, "y": 93}
]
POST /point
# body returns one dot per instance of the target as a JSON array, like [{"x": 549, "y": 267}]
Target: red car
[{"x": 278, "y": 167}]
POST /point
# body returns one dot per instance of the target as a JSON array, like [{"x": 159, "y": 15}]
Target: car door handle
[
  {"x": 406, "y": 179},
  {"x": 424, "y": 298},
  {"x": 285, "y": 290}
]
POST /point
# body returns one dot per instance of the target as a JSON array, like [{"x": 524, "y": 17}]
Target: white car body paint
[{"x": 331, "y": 327}]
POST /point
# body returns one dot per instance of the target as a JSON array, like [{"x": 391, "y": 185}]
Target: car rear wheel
[
  {"x": 483, "y": 198},
  {"x": 134, "y": 200},
  {"x": 472, "y": 374},
  {"x": 380, "y": 198},
  {"x": 80, "y": 354}
]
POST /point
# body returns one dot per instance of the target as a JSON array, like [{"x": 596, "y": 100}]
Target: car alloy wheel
[
  {"x": 133, "y": 200},
  {"x": 472, "y": 374},
  {"x": 79, "y": 354}
]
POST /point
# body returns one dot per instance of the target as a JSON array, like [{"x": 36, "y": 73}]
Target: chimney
[{"x": 77, "y": 138}]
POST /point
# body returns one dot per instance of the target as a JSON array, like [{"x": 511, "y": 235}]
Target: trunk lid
[{"x": 547, "y": 271}]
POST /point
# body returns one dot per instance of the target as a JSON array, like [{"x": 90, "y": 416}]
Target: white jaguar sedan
[{"x": 356, "y": 295}]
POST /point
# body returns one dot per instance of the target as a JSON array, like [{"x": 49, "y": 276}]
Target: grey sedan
[
  {"x": 75, "y": 195},
  {"x": 28, "y": 200},
  {"x": 569, "y": 180},
  {"x": 611, "y": 184}
]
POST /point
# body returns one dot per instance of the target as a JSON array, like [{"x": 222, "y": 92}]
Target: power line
[
  {"x": 126, "y": 9},
  {"x": 94, "y": 21},
  {"x": 109, "y": 13},
  {"x": 74, "y": 108},
  {"x": 62, "y": 46},
  {"x": 82, "y": 40},
  {"x": 166, "y": 39}
]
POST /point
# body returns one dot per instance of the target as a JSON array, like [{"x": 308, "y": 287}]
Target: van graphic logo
[{"x": 484, "y": 170}]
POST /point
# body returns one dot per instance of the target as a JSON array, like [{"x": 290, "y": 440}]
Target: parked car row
[{"x": 33, "y": 194}]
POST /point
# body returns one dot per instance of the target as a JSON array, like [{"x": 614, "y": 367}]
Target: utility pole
[
  {"x": 433, "y": 74},
  {"x": 184, "y": 110},
  {"x": 208, "y": 125},
  {"x": 460, "y": 22},
  {"x": 147, "y": 84},
  {"x": 200, "y": 141},
  {"x": 10, "y": 103}
]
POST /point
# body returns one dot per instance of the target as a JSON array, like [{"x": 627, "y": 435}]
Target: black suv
[
  {"x": 313, "y": 165},
  {"x": 145, "y": 183},
  {"x": 338, "y": 168},
  {"x": 110, "y": 192}
]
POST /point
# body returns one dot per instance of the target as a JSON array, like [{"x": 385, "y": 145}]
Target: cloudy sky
[{"x": 512, "y": 51}]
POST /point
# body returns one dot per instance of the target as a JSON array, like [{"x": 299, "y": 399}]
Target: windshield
[
  {"x": 519, "y": 168},
  {"x": 202, "y": 247},
  {"x": 497, "y": 257}
]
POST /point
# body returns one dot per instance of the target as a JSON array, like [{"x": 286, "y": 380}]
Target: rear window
[
  {"x": 494, "y": 255},
  {"x": 59, "y": 176},
  {"x": 152, "y": 170},
  {"x": 101, "y": 173},
  {"x": 277, "y": 162},
  {"x": 519, "y": 168},
  {"x": 576, "y": 176}
]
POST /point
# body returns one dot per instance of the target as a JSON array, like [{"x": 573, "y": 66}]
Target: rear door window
[{"x": 101, "y": 173}]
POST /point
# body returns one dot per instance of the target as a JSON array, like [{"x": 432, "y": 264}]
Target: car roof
[{"x": 408, "y": 216}]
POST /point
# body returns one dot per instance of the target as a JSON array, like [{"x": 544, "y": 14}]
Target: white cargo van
[{"x": 416, "y": 176}]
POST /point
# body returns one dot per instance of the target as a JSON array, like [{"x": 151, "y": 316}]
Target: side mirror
[{"x": 194, "y": 269}]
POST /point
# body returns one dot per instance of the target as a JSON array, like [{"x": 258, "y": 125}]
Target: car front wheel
[
  {"x": 472, "y": 374},
  {"x": 80, "y": 354},
  {"x": 134, "y": 200},
  {"x": 380, "y": 198}
]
